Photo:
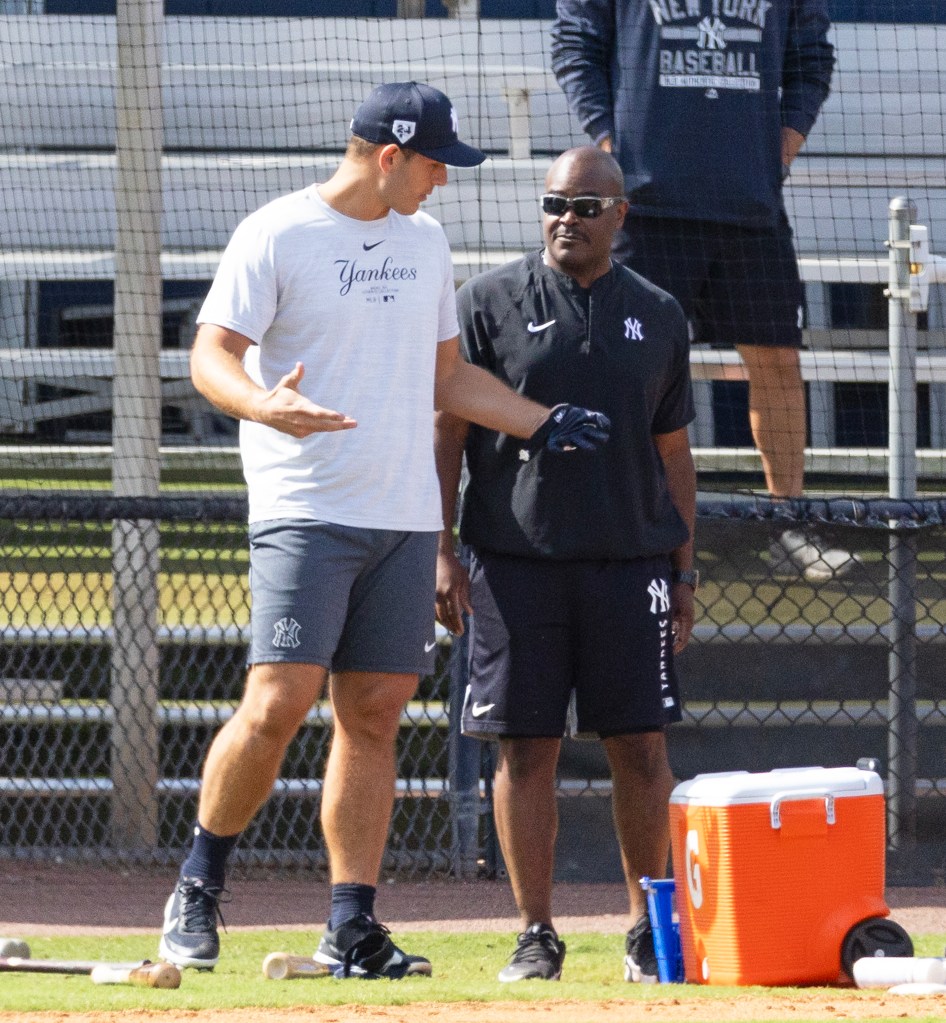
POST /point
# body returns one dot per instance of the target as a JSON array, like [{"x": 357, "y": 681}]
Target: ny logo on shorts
[
  {"x": 659, "y": 596},
  {"x": 286, "y": 633}
]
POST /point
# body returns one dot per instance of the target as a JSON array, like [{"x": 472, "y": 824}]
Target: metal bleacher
[{"x": 248, "y": 131}]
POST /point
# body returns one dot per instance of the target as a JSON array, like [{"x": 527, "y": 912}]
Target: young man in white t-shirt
[{"x": 330, "y": 332}]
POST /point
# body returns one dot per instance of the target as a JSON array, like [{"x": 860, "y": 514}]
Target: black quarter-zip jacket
[{"x": 619, "y": 347}]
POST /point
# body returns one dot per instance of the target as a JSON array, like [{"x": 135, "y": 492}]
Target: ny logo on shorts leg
[
  {"x": 286, "y": 633},
  {"x": 659, "y": 596}
]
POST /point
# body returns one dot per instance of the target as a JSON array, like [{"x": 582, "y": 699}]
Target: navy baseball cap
[{"x": 414, "y": 116}]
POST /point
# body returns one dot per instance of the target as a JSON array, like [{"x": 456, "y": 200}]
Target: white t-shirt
[{"x": 362, "y": 305}]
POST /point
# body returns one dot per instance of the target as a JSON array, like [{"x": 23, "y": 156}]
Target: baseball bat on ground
[
  {"x": 142, "y": 972},
  {"x": 159, "y": 975},
  {"x": 283, "y": 966}
]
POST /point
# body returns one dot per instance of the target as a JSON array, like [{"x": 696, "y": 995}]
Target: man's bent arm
[
  {"x": 218, "y": 374},
  {"x": 217, "y": 370},
  {"x": 472, "y": 393}
]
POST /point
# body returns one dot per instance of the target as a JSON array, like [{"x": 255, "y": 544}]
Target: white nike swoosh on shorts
[
  {"x": 478, "y": 711},
  {"x": 534, "y": 328}
]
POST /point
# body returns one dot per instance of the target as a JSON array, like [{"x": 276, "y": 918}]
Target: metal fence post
[
  {"x": 136, "y": 429},
  {"x": 464, "y": 770},
  {"x": 903, "y": 731}
]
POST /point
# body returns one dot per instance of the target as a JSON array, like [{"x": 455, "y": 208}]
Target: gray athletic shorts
[{"x": 348, "y": 599}]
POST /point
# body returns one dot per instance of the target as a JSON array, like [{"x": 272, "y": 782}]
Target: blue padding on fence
[
  {"x": 900, "y": 11},
  {"x": 880, "y": 512}
]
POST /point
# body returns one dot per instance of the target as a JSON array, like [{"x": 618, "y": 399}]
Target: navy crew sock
[
  {"x": 348, "y": 900},
  {"x": 207, "y": 859}
]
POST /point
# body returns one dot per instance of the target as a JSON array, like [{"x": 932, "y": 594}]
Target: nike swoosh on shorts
[
  {"x": 534, "y": 328},
  {"x": 478, "y": 710}
]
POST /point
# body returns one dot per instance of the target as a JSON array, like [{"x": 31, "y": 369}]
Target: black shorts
[
  {"x": 737, "y": 285},
  {"x": 541, "y": 629}
]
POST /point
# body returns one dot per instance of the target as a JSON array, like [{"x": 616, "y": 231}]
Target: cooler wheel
[{"x": 876, "y": 936}]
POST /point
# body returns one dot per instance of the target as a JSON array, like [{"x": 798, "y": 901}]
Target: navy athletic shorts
[
  {"x": 541, "y": 629},
  {"x": 737, "y": 285},
  {"x": 347, "y": 598}
]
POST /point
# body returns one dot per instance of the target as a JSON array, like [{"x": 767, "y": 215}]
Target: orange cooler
[{"x": 772, "y": 870}]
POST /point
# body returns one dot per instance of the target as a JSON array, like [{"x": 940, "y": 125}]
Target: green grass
[{"x": 465, "y": 966}]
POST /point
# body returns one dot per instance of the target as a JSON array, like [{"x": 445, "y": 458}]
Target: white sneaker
[{"x": 796, "y": 552}]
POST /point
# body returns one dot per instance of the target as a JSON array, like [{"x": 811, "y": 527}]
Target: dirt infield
[
  {"x": 50, "y": 899},
  {"x": 850, "y": 1006}
]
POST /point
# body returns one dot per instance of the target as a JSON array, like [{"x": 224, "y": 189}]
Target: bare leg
[
  {"x": 247, "y": 753},
  {"x": 358, "y": 794},
  {"x": 526, "y": 817},
  {"x": 642, "y": 782},
  {"x": 777, "y": 415}
]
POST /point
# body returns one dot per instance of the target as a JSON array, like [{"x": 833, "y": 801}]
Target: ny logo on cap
[{"x": 404, "y": 130}]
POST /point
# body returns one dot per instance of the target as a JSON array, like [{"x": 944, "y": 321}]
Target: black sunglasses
[{"x": 587, "y": 206}]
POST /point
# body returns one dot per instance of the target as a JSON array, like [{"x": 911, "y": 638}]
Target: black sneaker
[
  {"x": 190, "y": 924},
  {"x": 360, "y": 947},
  {"x": 539, "y": 956},
  {"x": 640, "y": 961}
]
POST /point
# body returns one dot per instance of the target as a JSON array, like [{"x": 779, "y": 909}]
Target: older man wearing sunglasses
[{"x": 581, "y": 581}]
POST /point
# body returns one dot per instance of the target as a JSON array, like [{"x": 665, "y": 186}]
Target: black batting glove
[{"x": 569, "y": 427}]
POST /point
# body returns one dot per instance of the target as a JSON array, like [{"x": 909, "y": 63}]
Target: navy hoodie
[{"x": 694, "y": 94}]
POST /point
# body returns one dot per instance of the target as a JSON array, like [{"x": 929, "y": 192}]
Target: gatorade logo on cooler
[{"x": 694, "y": 880}]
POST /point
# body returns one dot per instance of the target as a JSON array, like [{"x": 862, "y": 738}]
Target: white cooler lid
[{"x": 727, "y": 788}]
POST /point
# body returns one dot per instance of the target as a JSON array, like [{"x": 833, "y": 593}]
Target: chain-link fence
[
  {"x": 111, "y": 696},
  {"x": 111, "y": 691},
  {"x": 135, "y": 135}
]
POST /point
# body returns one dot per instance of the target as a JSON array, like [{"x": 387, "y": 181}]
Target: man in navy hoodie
[{"x": 705, "y": 104}]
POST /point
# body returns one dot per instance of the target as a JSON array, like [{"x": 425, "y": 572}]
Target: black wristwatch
[{"x": 690, "y": 576}]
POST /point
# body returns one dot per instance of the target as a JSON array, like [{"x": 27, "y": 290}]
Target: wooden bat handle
[
  {"x": 283, "y": 966},
  {"x": 158, "y": 975},
  {"x": 20, "y": 965}
]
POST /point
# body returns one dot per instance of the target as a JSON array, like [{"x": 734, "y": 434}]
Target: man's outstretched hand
[{"x": 569, "y": 427}]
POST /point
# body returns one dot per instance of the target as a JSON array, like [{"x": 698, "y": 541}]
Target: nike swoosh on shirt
[
  {"x": 479, "y": 709},
  {"x": 429, "y": 646},
  {"x": 374, "y": 245},
  {"x": 534, "y": 328}
]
